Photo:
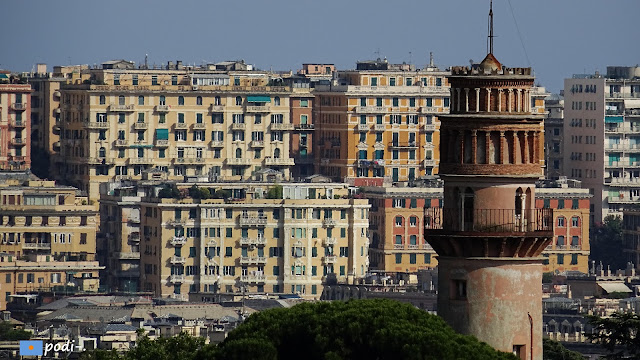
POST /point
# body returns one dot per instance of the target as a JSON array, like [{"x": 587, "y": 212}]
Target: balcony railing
[
  {"x": 175, "y": 222},
  {"x": 253, "y": 278},
  {"x": 96, "y": 125},
  {"x": 18, "y": 142},
  {"x": 177, "y": 278},
  {"x": 257, "y": 143},
  {"x": 177, "y": 260},
  {"x": 162, "y": 143},
  {"x": 491, "y": 220},
  {"x": 247, "y": 260},
  {"x": 18, "y": 106},
  {"x": 216, "y": 143},
  {"x": 364, "y": 127},
  {"x": 181, "y": 125},
  {"x": 18, "y": 123},
  {"x": 238, "y": 126},
  {"x": 370, "y": 109},
  {"x": 428, "y": 110},
  {"x": 404, "y": 144},
  {"x": 329, "y": 259},
  {"x": 162, "y": 108},
  {"x": 178, "y": 240},
  {"x": 430, "y": 127},
  {"x": 379, "y": 127},
  {"x": 252, "y": 220},
  {"x": 329, "y": 241},
  {"x": 189, "y": 160},
  {"x": 216, "y": 108},
  {"x": 304, "y": 127},
  {"x": 281, "y": 126},
  {"x": 429, "y": 162},
  {"x": 328, "y": 222},
  {"x": 279, "y": 161},
  {"x": 180, "y": 297},
  {"x": 199, "y": 126},
  {"x": 140, "y": 125},
  {"x": 140, "y": 160},
  {"x": 260, "y": 240},
  {"x": 258, "y": 108},
  {"x": 238, "y": 161},
  {"x": 121, "y": 142},
  {"x": 116, "y": 108},
  {"x": 36, "y": 246}
]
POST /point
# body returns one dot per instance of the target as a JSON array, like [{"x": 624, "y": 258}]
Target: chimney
[{"x": 179, "y": 65}]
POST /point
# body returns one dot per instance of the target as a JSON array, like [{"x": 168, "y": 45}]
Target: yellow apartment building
[
  {"x": 36, "y": 273},
  {"x": 223, "y": 120},
  {"x": 397, "y": 221},
  {"x": 380, "y": 120},
  {"x": 39, "y": 218},
  {"x": 260, "y": 238}
]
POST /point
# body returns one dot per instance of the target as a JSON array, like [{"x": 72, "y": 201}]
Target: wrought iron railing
[{"x": 489, "y": 220}]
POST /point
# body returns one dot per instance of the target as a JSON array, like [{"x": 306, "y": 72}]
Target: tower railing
[{"x": 489, "y": 220}]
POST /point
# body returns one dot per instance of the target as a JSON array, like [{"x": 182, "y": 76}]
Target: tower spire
[{"x": 490, "y": 49}]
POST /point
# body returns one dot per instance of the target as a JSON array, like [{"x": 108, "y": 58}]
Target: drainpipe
[{"x": 531, "y": 330}]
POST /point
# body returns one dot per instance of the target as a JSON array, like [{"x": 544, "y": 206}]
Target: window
[
  {"x": 276, "y": 101},
  {"x": 392, "y": 81},
  {"x": 140, "y": 100},
  {"x": 154, "y": 80},
  {"x": 121, "y": 100},
  {"x": 560, "y": 259},
  {"x": 398, "y": 240},
  {"x": 398, "y": 220},
  {"x": 575, "y": 221},
  {"x": 304, "y": 103},
  {"x": 199, "y": 100},
  {"x": 398, "y": 258},
  {"x": 427, "y": 258},
  {"x": 413, "y": 221},
  {"x": 103, "y": 99},
  {"x": 412, "y": 258},
  {"x": 395, "y": 102},
  {"x": 560, "y": 221},
  {"x": 174, "y": 79},
  {"x": 162, "y": 100},
  {"x": 228, "y": 251},
  {"x": 575, "y": 204},
  {"x": 238, "y": 100},
  {"x": 458, "y": 289},
  {"x": 574, "y": 259}
]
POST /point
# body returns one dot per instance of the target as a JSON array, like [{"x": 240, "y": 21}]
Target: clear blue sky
[{"x": 561, "y": 37}]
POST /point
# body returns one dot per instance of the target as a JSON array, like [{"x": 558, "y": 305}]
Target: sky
[{"x": 559, "y": 37}]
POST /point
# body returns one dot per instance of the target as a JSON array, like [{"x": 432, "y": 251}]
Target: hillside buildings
[
  {"x": 15, "y": 127},
  {"x": 602, "y": 137}
]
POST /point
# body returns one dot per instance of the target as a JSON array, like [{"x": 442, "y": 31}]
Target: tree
[
  {"x": 8, "y": 333},
  {"x": 99, "y": 354},
  {"x": 617, "y": 334},
  {"x": 179, "y": 347},
  {"x": 365, "y": 329},
  {"x": 553, "y": 350},
  {"x": 275, "y": 192},
  {"x": 607, "y": 244}
]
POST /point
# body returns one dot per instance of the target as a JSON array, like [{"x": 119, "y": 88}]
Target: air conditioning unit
[{"x": 194, "y": 87}]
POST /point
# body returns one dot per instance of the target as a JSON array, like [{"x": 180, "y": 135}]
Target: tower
[{"x": 489, "y": 235}]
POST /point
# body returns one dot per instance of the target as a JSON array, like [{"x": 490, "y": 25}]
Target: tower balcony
[{"x": 489, "y": 232}]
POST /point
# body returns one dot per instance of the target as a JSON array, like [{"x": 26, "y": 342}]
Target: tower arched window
[
  {"x": 276, "y": 101},
  {"x": 103, "y": 99},
  {"x": 102, "y": 152},
  {"x": 238, "y": 153},
  {"x": 276, "y": 153}
]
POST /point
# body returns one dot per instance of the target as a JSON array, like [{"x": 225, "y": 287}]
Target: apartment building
[
  {"x": 569, "y": 250},
  {"x": 380, "y": 120},
  {"x": 554, "y": 137},
  {"x": 40, "y": 218},
  {"x": 631, "y": 235},
  {"x": 37, "y": 273},
  {"x": 15, "y": 112},
  {"x": 396, "y": 222},
  {"x": 257, "y": 238},
  {"x": 602, "y": 137},
  {"x": 221, "y": 120}
]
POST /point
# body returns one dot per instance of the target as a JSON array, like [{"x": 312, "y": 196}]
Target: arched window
[
  {"x": 238, "y": 153},
  {"x": 238, "y": 100},
  {"x": 140, "y": 100},
  {"x": 103, "y": 99},
  {"x": 199, "y": 100},
  {"x": 121, "y": 100},
  {"x": 162, "y": 100},
  {"x": 276, "y": 153},
  {"x": 518, "y": 201},
  {"x": 102, "y": 152},
  {"x": 276, "y": 101},
  {"x": 180, "y": 100},
  {"x": 217, "y": 101}
]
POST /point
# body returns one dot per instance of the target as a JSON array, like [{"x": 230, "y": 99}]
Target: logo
[{"x": 31, "y": 347}]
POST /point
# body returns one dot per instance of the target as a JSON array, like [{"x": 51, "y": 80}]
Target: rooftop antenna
[
  {"x": 146, "y": 61},
  {"x": 490, "y": 38},
  {"x": 431, "y": 59},
  {"x": 377, "y": 52}
]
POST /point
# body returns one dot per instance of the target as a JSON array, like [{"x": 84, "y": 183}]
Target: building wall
[
  {"x": 399, "y": 120},
  {"x": 112, "y": 131},
  {"x": 302, "y": 137},
  {"x": 269, "y": 246},
  {"x": 39, "y": 218},
  {"x": 554, "y": 139},
  {"x": 15, "y": 126}
]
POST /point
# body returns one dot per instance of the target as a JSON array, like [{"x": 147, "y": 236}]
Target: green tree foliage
[
  {"x": 275, "y": 192},
  {"x": 553, "y": 350},
  {"x": 7, "y": 333},
  {"x": 606, "y": 243},
  {"x": 199, "y": 193},
  {"x": 99, "y": 354},
  {"x": 180, "y": 347},
  {"x": 169, "y": 191},
  {"x": 617, "y": 334},
  {"x": 357, "y": 329}
]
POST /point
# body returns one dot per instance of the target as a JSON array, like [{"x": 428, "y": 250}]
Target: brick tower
[{"x": 489, "y": 235}]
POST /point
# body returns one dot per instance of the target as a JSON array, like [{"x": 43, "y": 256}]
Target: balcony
[
  {"x": 258, "y": 241},
  {"x": 413, "y": 246},
  {"x": 253, "y": 278},
  {"x": 427, "y": 246},
  {"x": 307, "y": 159},
  {"x": 189, "y": 160},
  {"x": 278, "y": 161},
  {"x": 120, "y": 108},
  {"x": 257, "y": 143},
  {"x": 96, "y": 125},
  {"x": 304, "y": 127},
  {"x": 258, "y": 108},
  {"x": 216, "y": 108},
  {"x": 370, "y": 109},
  {"x": 100, "y": 161},
  {"x": 18, "y": 106},
  {"x": 246, "y": 220},
  {"x": 176, "y": 279},
  {"x": 364, "y": 127},
  {"x": 199, "y": 126},
  {"x": 492, "y": 220},
  {"x": 179, "y": 297},
  {"x": 398, "y": 246},
  {"x": 428, "y": 110},
  {"x": 216, "y": 144},
  {"x": 129, "y": 255},
  {"x": 379, "y": 127},
  {"x": 142, "y": 160},
  {"x": 121, "y": 143},
  {"x": 238, "y": 126},
  {"x": 162, "y": 108},
  {"x": 249, "y": 260},
  {"x": 329, "y": 259},
  {"x": 281, "y": 126},
  {"x": 330, "y": 241},
  {"x": 575, "y": 247},
  {"x": 238, "y": 162},
  {"x": 177, "y": 260},
  {"x": 18, "y": 142},
  {"x": 403, "y": 145},
  {"x": 178, "y": 241},
  {"x": 429, "y": 127},
  {"x": 429, "y": 163},
  {"x": 36, "y": 246},
  {"x": 162, "y": 143},
  {"x": 175, "y": 222},
  {"x": 18, "y": 123},
  {"x": 140, "y": 125},
  {"x": 180, "y": 125},
  {"x": 328, "y": 222}
]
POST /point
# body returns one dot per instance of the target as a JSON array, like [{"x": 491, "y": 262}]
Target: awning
[
  {"x": 258, "y": 98},
  {"x": 611, "y": 287},
  {"x": 162, "y": 134},
  {"x": 613, "y": 119},
  {"x": 3, "y": 76}
]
